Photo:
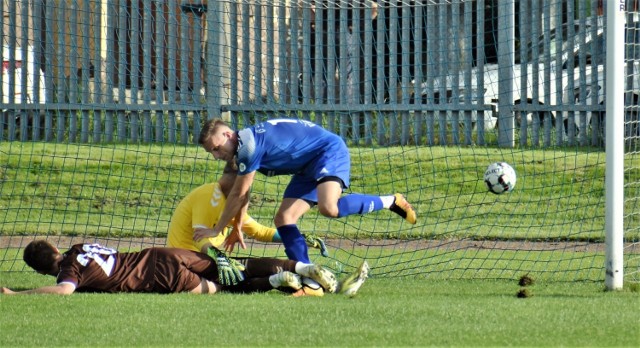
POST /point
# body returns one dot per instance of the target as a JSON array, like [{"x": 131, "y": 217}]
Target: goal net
[{"x": 103, "y": 101}]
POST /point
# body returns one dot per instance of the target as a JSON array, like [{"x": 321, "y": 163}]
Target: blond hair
[{"x": 210, "y": 128}]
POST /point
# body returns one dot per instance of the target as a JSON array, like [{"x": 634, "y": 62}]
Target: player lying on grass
[
  {"x": 94, "y": 268},
  {"x": 200, "y": 211}
]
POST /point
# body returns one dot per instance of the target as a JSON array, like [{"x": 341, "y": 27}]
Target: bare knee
[
  {"x": 330, "y": 211},
  {"x": 285, "y": 218},
  {"x": 290, "y": 211},
  {"x": 279, "y": 220}
]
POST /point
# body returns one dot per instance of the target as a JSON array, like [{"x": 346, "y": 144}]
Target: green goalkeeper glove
[
  {"x": 229, "y": 270},
  {"x": 316, "y": 242}
]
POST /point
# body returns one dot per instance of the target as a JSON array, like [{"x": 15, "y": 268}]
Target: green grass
[
  {"x": 131, "y": 190},
  {"x": 412, "y": 299},
  {"x": 386, "y": 312}
]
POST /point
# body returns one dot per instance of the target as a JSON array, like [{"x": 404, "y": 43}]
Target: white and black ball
[{"x": 500, "y": 177}]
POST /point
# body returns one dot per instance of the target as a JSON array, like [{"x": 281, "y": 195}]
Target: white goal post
[{"x": 614, "y": 175}]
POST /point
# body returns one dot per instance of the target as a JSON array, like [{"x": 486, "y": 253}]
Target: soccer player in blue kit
[{"x": 320, "y": 165}]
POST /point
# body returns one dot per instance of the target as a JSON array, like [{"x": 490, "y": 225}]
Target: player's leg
[
  {"x": 278, "y": 272},
  {"x": 299, "y": 197},
  {"x": 266, "y": 266},
  {"x": 266, "y": 234},
  {"x": 286, "y": 279},
  {"x": 256, "y": 267},
  {"x": 264, "y": 274},
  {"x": 332, "y": 204},
  {"x": 260, "y": 284},
  {"x": 206, "y": 287},
  {"x": 180, "y": 270},
  {"x": 286, "y": 219},
  {"x": 286, "y": 276},
  {"x": 249, "y": 285},
  {"x": 319, "y": 274},
  {"x": 331, "y": 173},
  {"x": 281, "y": 274}
]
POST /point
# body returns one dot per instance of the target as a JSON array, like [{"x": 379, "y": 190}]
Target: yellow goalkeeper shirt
[{"x": 202, "y": 208}]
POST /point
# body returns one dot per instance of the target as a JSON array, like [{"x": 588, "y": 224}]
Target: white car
[
  {"x": 559, "y": 75},
  {"x": 584, "y": 95},
  {"x": 14, "y": 70},
  {"x": 18, "y": 97},
  {"x": 490, "y": 117},
  {"x": 545, "y": 91}
]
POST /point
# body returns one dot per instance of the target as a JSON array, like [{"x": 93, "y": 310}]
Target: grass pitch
[
  {"x": 114, "y": 191},
  {"x": 386, "y": 312}
]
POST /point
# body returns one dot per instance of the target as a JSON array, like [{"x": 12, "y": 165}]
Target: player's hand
[
  {"x": 200, "y": 233},
  {"x": 229, "y": 270},
  {"x": 235, "y": 237},
  {"x": 6, "y": 291}
]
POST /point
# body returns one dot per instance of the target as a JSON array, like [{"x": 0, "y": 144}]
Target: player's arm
[
  {"x": 236, "y": 236},
  {"x": 240, "y": 216},
  {"x": 59, "y": 289},
  {"x": 203, "y": 244},
  {"x": 257, "y": 231},
  {"x": 236, "y": 201},
  {"x": 252, "y": 228}
]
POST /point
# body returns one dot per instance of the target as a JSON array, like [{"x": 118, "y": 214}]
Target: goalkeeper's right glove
[{"x": 229, "y": 271}]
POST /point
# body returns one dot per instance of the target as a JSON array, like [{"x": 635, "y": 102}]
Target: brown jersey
[{"x": 92, "y": 267}]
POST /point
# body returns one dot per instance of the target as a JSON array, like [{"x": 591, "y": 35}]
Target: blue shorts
[{"x": 333, "y": 162}]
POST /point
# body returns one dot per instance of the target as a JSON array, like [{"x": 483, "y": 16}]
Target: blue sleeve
[
  {"x": 282, "y": 146},
  {"x": 248, "y": 157}
]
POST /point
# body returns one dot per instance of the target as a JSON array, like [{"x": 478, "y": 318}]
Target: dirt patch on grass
[{"x": 138, "y": 243}]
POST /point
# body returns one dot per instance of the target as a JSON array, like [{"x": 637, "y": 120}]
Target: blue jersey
[{"x": 291, "y": 146}]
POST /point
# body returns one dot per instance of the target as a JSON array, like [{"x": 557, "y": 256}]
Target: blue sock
[
  {"x": 358, "y": 204},
  {"x": 294, "y": 244}
]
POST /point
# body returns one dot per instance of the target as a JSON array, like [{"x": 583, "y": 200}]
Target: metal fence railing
[{"x": 374, "y": 72}]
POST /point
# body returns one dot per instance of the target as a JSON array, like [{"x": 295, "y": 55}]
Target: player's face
[{"x": 220, "y": 147}]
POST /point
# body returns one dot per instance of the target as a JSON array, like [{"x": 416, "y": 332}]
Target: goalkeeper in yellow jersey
[{"x": 201, "y": 209}]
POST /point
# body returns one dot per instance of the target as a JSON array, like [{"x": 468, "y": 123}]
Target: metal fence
[{"x": 377, "y": 73}]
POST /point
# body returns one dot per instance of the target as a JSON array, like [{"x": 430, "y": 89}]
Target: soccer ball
[{"x": 500, "y": 177}]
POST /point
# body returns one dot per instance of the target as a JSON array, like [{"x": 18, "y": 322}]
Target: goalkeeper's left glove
[
  {"x": 229, "y": 270},
  {"x": 316, "y": 242}
]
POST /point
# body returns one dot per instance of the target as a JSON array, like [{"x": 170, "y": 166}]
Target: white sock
[
  {"x": 303, "y": 269},
  {"x": 275, "y": 280},
  {"x": 387, "y": 201}
]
